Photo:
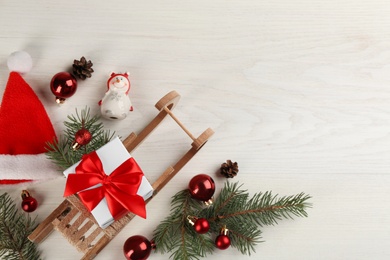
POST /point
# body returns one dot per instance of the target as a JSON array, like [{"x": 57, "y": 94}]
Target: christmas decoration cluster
[{"x": 199, "y": 222}]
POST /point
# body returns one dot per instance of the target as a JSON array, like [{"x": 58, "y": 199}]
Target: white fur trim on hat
[{"x": 34, "y": 167}]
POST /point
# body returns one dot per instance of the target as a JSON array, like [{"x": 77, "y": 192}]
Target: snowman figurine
[{"x": 116, "y": 103}]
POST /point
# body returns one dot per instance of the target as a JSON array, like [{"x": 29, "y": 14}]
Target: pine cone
[
  {"x": 82, "y": 68},
  {"x": 229, "y": 169}
]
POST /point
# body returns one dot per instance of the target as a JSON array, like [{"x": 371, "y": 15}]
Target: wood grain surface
[{"x": 297, "y": 92}]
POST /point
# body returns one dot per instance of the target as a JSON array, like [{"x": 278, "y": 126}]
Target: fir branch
[
  {"x": 167, "y": 234},
  {"x": 228, "y": 199},
  {"x": 60, "y": 151},
  {"x": 232, "y": 208},
  {"x": 244, "y": 236},
  {"x": 262, "y": 208},
  {"x": 15, "y": 227},
  {"x": 175, "y": 233},
  {"x": 241, "y": 216}
]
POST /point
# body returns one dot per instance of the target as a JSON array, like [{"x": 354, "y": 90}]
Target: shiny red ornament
[
  {"x": 137, "y": 248},
  {"x": 222, "y": 242},
  {"x": 82, "y": 137},
  {"x": 202, "y": 187},
  {"x": 63, "y": 85},
  {"x": 29, "y": 204},
  {"x": 201, "y": 226}
]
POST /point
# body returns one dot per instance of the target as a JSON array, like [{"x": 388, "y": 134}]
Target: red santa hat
[{"x": 25, "y": 129}]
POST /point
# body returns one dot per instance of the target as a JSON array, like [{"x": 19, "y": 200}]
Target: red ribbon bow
[{"x": 119, "y": 188}]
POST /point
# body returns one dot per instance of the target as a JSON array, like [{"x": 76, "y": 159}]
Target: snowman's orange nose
[{"x": 118, "y": 80}]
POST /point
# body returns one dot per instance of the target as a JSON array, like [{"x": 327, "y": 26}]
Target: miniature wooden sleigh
[{"x": 78, "y": 225}]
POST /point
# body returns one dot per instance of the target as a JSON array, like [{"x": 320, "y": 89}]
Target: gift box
[{"x": 110, "y": 183}]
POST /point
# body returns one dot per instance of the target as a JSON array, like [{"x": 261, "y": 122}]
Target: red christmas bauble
[
  {"x": 222, "y": 242},
  {"x": 137, "y": 248},
  {"x": 82, "y": 137},
  {"x": 202, "y": 187},
  {"x": 63, "y": 85},
  {"x": 29, "y": 204},
  {"x": 201, "y": 226}
]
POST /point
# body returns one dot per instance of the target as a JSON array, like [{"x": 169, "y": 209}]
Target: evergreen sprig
[
  {"x": 176, "y": 232},
  {"x": 60, "y": 151},
  {"x": 15, "y": 227},
  {"x": 233, "y": 208}
]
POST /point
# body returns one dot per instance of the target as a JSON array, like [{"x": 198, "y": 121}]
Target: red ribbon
[{"x": 119, "y": 188}]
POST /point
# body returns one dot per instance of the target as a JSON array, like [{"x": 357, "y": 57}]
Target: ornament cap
[
  {"x": 191, "y": 219},
  {"x": 60, "y": 100},
  {"x": 153, "y": 244},
  {"x": 224, "y": 231},
  {"x": 76, "y": 146},
  {"x": 25, "y": 194},
  {"x": 209, "y": 202}
]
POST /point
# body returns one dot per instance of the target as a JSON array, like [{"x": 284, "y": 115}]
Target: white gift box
[{"x": 112, "y": 155}]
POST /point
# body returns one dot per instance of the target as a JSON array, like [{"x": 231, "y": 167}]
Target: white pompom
[{"x": 19, "y": 61}]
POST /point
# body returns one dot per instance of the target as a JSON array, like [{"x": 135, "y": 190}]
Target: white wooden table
[{"x": 298, "y": 93}]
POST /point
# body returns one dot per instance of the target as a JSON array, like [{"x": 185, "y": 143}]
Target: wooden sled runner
[{"x": 77, "y": 224}]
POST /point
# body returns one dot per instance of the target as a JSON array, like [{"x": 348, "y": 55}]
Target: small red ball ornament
[
  {"x": 201, "y": 225},
  {"x": 137, "y": 248},
  {"x": 63, "y": 85},
  {"x": 223, "y": 241},
  {"x": 82, "y": 137},
  {"x": 29, "y": 204},
  {"x": 202, "y": 187}
]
